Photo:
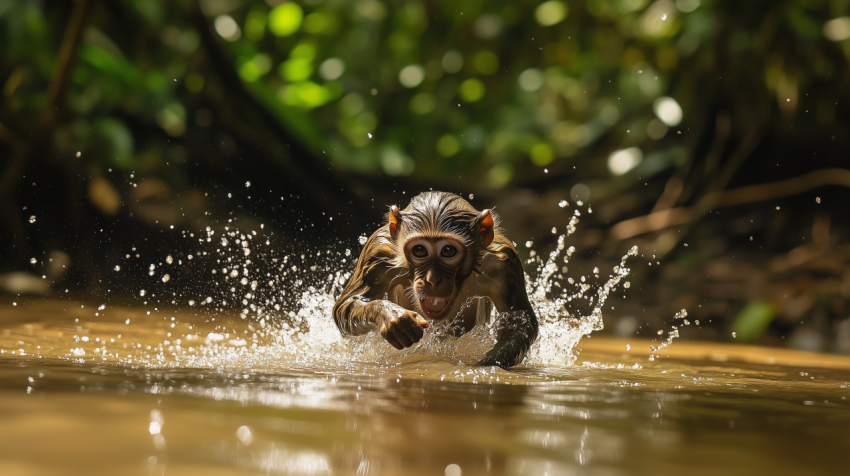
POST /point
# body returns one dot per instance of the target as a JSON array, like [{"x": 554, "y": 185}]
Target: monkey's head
[{"x": 439, "y": 238}]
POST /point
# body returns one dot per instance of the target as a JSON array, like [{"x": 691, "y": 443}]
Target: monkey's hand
[
  {"x": 403, "y": 328},
  {"x": 506, "y": 354}
]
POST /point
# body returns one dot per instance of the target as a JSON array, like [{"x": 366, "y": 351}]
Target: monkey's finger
[
  {"x": 402, "y": 338},
  {"x": 390, "y": 338},
  {"x": 422, "y": 322},
  {"x": 412, "y": 331}
]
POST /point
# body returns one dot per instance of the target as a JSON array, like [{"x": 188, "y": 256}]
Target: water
[
  {"x": 255, "y": 410},
  {"x": 227, "y": 361}
]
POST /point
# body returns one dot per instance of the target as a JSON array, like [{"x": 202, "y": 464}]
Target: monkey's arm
[
  {"x": 517, "y": 325},
  {"x": 363, "y": 306}
]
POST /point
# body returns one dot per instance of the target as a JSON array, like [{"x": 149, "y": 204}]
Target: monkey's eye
[
  {"x": 448, "y": 251},
  {"x": 419, "y": 251}
]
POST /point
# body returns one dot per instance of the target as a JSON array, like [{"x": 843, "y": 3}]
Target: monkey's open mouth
[{"x": 434, "y": 307}]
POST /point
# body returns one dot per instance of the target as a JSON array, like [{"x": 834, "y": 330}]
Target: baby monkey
[{"x": 439, "y": 258}]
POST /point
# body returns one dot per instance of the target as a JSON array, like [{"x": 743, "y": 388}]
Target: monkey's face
[{"x": 435, "y": 263}]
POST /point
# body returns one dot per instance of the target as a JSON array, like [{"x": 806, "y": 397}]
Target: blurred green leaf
[{"x": 753, "y": 320}]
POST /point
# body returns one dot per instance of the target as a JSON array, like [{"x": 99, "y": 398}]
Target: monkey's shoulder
[
  {"x": 503, "y": 250},
  {"x": 379, "y": 246},
  {"x": 500, "y": 259}
]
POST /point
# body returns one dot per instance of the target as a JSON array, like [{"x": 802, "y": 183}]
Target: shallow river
[{"x": 73, "y": 401}]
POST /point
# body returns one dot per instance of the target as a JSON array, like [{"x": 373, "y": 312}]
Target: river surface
[{"x": 226, "y": 401}]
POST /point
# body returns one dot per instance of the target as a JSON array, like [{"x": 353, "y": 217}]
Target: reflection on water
[{"x": 261, "y": 412}]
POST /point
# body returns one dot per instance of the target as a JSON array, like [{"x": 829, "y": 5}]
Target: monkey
[{"x": 439, "y": 259}]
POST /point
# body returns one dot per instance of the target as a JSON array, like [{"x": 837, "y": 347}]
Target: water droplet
[
  {"x": 472, "y": 195},
  {"x": 554, "y": 230},
  {"x": 142, "y": 292},
  {"x": 529, "y": 244},
  {"x": 79, "y": 153},
  {"x": 628, "y": 347},
  {"x": 154, "y": 428},
  {"x": 245, "y": 435},
  {"x": 370, "y": 135},
  {"x": 166, "y": 278},
  {"x": 118, "y": 268},
  {"x": 362, "y": 240},
  {"x": 777, "y": 208},
  {"x": 664, "y": 17},
  {"x": 817, "y": 199},
  {"x": 563, "y": 203},
  {"x": 453, "y": 470},
  {"x": 33, "y": 260},
  {"x": 734, "y": 335},
  {"x": 247, "y": 184},
  {"x": 169, "y": 259},
  {"x": 32, "y": 219}
]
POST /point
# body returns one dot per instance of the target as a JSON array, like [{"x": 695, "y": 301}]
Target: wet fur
[{"x": 383, "y": 265}]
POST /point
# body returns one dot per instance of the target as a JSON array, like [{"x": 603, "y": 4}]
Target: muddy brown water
[{"x": 70, "y": 406}]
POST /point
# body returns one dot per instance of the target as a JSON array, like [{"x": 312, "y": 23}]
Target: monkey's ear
[
  {"x": 395, "y": 220},
  {"x": 485, "y": 227}
]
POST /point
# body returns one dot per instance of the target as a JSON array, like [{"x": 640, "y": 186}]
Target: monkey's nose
[{"x": 432, "y": 279}]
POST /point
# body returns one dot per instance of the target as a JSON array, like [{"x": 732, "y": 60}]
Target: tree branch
[
  {"x": 299, "y": 162},
  {"x": 730, "y": 198}
]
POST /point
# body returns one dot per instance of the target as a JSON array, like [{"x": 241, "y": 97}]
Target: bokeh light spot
[
  {"x": 227, "y": 28},
  {"x": 541, "y": 154},
  {"x": 668, "y": 110},
  {"x": 687, "y": 6},
  {"x": 488, "y": 26},
  {"x": 471, "y": 90},
  {"x": 580, "y": 192},
  {"x": 486, "y": 62},
  {"x": 448, "y": 145},
  {"x": 394, "y": 162},
  {"x": 837, "y": 29},
  {"x": 550, "y": 13},
  {"x": 452, "y": 62},
  {"x": 411, "y": 76},
  {"x": 285, "y": 19},
  {"x": 623, "y": 160},
  {"x": 531, "y": 79},
  {"x": 500, "y": 174},
  {"x": 332, "y": 68},
  {"x": 422, "y": 103}
]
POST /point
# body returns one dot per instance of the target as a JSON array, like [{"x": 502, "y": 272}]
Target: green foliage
[
  {"x": 502, "y": 88},
  {"x": 548, "y": 84}
]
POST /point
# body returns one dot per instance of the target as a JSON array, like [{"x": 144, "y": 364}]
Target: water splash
[{"x": 285, "y": 300}]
